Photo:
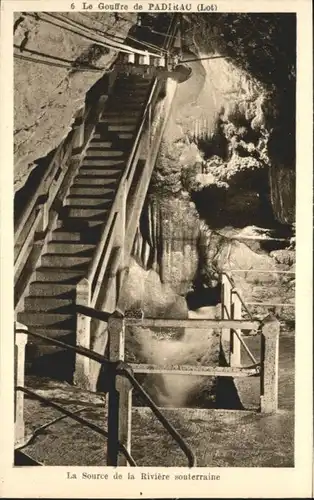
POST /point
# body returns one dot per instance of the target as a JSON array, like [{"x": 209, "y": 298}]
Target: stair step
[
  {"x": 118, "y": 119},
  {"x": 64, "y": 261},
  {"x": 124, "y": 79},
  {"x": 101, "y": 171},
  {"x": 102, "y": 162},
  {"x": 89, "y": 233},
  {"x": 38, "y": 288},
  {"x": 100, "y": 152},
  {"x": 125, "y": 135},
  {"x": 86, "y": 190},
  {"x": 123, "y": 101},
  {"x": 122, "y": 128},
  {"x": 88, "y": 179},
  {"x": 89, "y": 201},
  {"x": 43, "y": 318},
  {"x": 129, "y": 84},
  {"x": 55, "y": 275},
  {"x": 135, "y": 82},
  {"x": 129, "y": 95},
  {"x": 102, "y": 129},
  {"x": 96, "y": 142},
  {"x": 122, "y": 108},
  {"x": 125, "y": 92},
  {"x": 119, "y": 106},
  {"x": 100, "y": 136},
  {"x": 37, "y": 304},
  {"x": 70, "y": 248},
  {"x": 122, "y": 113},
  {"x": 87, "y": 226},
  {"x": 52, "y": 333},
  {"x": 61, "y": 235},
  {"x": 87, "y": 213}
]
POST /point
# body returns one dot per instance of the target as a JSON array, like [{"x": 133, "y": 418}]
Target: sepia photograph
[
  {"x": 154, "y": 240},
  {"x": 154, "y": 211}
]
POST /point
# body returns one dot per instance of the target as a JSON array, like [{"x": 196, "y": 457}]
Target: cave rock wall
[
  {"x": 166, "y": 242},
  {"x": 47, "y": 96}
]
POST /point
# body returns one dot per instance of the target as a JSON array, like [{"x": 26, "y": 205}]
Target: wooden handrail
[
  {"x": 146, "y": 111},
  {"x": 51, "y": 171},
  {"x": 197, "y": 370},
  {"x": 124, "y": 184},
  {"x": 28, "y": 239},
  {"x": 93, "y": 313},
  {"x": 193, "y": 323},
  {"x": 110, "y": 257}
]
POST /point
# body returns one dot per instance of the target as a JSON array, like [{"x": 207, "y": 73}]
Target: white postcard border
[{"x": 52, "y": 482}]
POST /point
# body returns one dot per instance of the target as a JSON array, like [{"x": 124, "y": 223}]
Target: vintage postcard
[{"x": 156, "y": 228}]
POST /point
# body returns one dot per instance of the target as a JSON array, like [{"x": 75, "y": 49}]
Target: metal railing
[
  {"x": 72, "y": 415},
  {"x": 115, "y": 369}
]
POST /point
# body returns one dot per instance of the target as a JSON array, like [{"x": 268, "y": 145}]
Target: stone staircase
[{"x": 49, "y": 307}]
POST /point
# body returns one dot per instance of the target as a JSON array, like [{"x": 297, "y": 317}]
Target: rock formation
[{"x": 55, "y": 64}]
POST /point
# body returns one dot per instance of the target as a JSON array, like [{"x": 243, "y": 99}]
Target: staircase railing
[
  {"x": 41, "y": 212},
  {"x": 101, "y": 286},
  {"x": 116, "y": 371},
  {"x": 114, "y": 232}
]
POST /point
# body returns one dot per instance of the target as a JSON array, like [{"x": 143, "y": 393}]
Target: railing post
[
  {"x": 149, "y": 125},
  {"x": 111, "y": 79},
  {"x": 120, "y": 396},
  {"x": 226, "y": 310},
  {"x": 269, "y": 364},
  {"x": 79, "y": 133},
  {"x": 44, "y": 220},
  {"x": 235, "y": 344},
  {"x": 120, "y": 236},
  {"x": 82, "y": 363},
  {"x": 19, "y": 373}
]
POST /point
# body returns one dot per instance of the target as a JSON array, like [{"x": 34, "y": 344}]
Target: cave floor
[{"x": 219, "y": 438}]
